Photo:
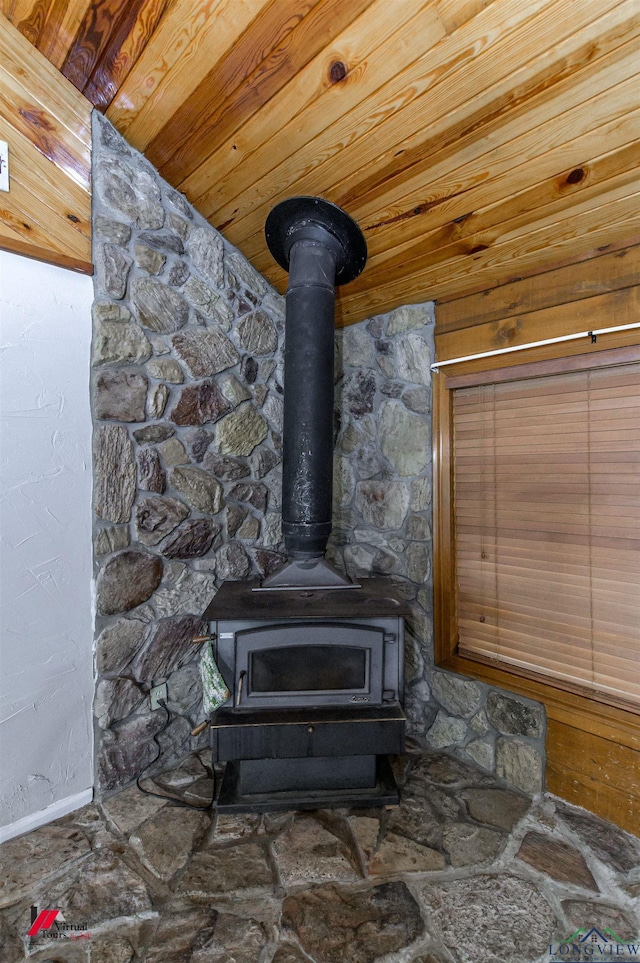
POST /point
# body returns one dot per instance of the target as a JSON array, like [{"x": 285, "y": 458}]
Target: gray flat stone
[
  {"x": 587, "y": 913},
  {"x": 29, "y": 860},
  {"x": 482, "y": 752},
  {"x": 165, "y": 842},
  {"x": 159, "y": 308},
  {"x": 118, "y": 643},
  {"x": 152, "y": 477},
  {"x": 204, "y": 935},
  {"x": 520, "y": 764},
  {"x": 205, "y": 351},
  {"x": 183, "y": 591},
  {"x": 511, "y": 716},
  {"x": 165, "y": 369},
  {"x": 130, "y": 808},
  {"x": 306, "y": 851},
  {"x": 241, "y": 431},
  {"x": 127, "y": 749},
  {"x": 165, "y": 241},
  {"x": 157, "y": 401},
  {"x": 191, "y": 539},
  {"x": 112, "y": 267},
  {"x": 384, "y": 505},
  {"x": 198, "y": 404},
  {"x": 446, "y": 731},
  {"x": 113, "y": 538},
  {"x": 408, "y": 318},
  {"x": 126, "y": 581},
  {"x": 173, "y": 452},
  {"x": 257, "y": 334},
  {"x": 610, "y": 844},
  {"x": 397, "y": 855},
  {"x": 205, "y": 247},
  {"x": 199, "y": 489},
  {"x": 208, "y": 302},
  {"x": 496, "y": 807},
  {"x": 120, "y": 395},
  {"x": 224, "y": 870},
  {"x": 458, "y": 695},
  {"x": 153, "y": 433},
  {"x": 413, "y": 359},
  {"x": 157, "y": 516},
  {"x": 115, "y": 699},
  {"x": 115, "y": 342},
  {"x": 107, "y": 889},
  {"x": 405, "y": 438},
  {"x": 335, "y": 924},
  {"x": 499, "y": 919},
  {"x": 556, "y": 859},
  {"x": 232, "y": 562},
  {"x": 171, "y": 645},
  {"x": 114, "y": 486},
  {"x": 467, "y": 844},
  {"x": 148, "y": 260}
]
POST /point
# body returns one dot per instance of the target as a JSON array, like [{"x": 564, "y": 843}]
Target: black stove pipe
[{"x": 321, "y": 246}]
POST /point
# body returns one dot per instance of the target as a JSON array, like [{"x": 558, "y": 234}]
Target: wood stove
[
  {"x": 314, "y": 663},
  {"x": 316, "y": 682}
]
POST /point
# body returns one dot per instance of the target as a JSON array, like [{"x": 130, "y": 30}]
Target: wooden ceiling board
[
  {"x": 46, "y": 214},
  {"x": 497, "y": 108},
  {"x": 122, "y": 51},
  {"x": 540, "y": 251},
  {"x": 507, "y": 165},
  {"x": 480, "y": 230},
  {"x": 186, "y": 46},
  {"x": 383, "y": 122},
  {"x": 452, "y": 130},
  {"x": 312, "y": 100},
  {"x": 521, "y": 162},
  {"x": 257, "y": 67},
  {"x": 609, "y": 107},
  {"x": 367, "y": 152}
]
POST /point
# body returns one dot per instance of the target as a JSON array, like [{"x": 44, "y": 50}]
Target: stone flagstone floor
[{"x": 463, "y": 871}]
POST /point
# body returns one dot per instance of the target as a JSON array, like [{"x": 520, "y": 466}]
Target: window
[{"x": 545, "y": 474}]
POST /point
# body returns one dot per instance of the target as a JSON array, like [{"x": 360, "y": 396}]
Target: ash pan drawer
[{"x": 236, "y": 737}]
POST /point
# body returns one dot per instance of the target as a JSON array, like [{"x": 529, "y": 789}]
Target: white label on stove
[{"x": 226, "y": 635}]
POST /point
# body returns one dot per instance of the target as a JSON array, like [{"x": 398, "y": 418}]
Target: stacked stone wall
[{"x": 187, "y": 403}]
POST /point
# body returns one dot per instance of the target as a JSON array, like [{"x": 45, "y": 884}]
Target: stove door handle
[{"x": 240, "y": 685}]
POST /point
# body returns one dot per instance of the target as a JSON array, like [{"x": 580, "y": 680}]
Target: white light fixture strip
[{"x": 4, "y": 166}]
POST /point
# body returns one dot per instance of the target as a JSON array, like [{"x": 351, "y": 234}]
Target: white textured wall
[{"x": 46, "y": 673}]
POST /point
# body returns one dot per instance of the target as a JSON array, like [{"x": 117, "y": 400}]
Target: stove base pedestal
[{"x": 277, "y": 785}]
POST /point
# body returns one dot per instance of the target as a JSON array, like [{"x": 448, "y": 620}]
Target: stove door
[{"x": 309, "y": 664}]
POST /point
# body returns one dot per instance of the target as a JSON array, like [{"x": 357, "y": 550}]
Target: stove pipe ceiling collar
[{"x": 321, "y": 247}]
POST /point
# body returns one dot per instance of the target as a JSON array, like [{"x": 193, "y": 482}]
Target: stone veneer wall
[{"x": 187, "y": 404}]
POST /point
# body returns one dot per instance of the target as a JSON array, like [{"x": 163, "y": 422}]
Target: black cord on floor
[{"x": 174, "y": 799}]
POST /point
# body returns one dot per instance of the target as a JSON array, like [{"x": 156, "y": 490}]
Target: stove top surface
[{"x": 376, "y": 597}]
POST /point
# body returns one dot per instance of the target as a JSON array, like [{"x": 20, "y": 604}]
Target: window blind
[{"x": 547, "y": 522}]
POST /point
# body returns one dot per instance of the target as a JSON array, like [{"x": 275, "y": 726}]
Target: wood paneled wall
[
  {"x": 47, "y": 212},
  {"x": 593, "y": 749}
]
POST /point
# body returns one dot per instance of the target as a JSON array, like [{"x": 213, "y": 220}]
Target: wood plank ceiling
[{"x": 474, "y": 141}]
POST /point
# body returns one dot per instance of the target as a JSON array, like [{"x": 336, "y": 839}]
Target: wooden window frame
[{"x": 569, "y": 710}]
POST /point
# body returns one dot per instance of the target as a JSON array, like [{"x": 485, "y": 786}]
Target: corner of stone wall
[
  {"x": 383, "y": 524},
  {"x": 187, "y": 409}
]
